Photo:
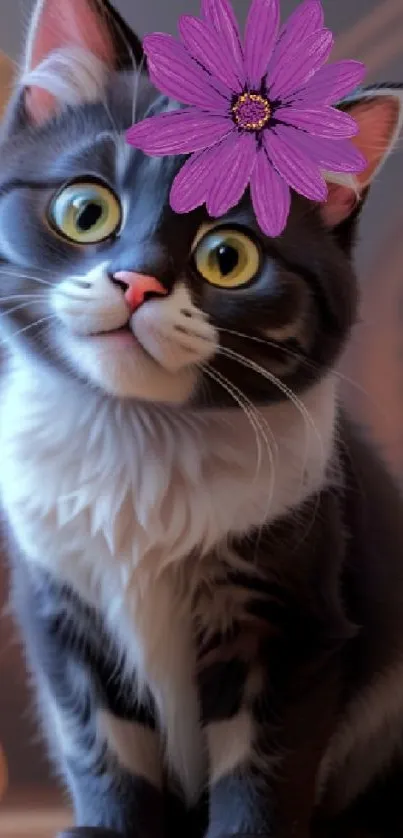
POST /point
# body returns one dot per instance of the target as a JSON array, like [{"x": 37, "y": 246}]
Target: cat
[{"x": 206, "y": 557}]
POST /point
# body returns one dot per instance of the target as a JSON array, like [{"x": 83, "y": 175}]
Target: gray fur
[{"x": 178, "y": 651}]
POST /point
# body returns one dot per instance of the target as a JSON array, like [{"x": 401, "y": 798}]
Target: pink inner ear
[
  {"x": 340, "y": 203},
  {"x": 75, "y": 23},
  {"x": 59, "y": 24},
  {"x": 378, "y": 119}
]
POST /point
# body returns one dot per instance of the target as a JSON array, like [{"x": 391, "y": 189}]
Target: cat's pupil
[
  {"x": 89, "y": 217},
  {"x": 227, "y": 258}
]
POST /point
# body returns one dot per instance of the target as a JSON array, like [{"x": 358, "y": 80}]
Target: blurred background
[{"x": 372, "y": 370}]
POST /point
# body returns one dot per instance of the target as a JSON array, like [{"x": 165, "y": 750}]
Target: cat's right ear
[
  {"x": 378, "y": 112},
  {"x": 71, "y": 48}
]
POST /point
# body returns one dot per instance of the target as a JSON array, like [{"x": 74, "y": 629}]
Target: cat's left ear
[
  {"x": 71, "y": 47},
  {"x": 378, "y": 112}
]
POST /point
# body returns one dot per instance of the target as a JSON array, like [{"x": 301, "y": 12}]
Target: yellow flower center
[{"x": 251, "y": 111}]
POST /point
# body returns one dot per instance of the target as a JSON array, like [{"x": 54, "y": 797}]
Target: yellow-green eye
[
  {"x": 226, "y": 258},
  {"x": 86, "y": 213}
]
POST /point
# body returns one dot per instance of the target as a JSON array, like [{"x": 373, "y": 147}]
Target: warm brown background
[{"x": 373, "y": 32}]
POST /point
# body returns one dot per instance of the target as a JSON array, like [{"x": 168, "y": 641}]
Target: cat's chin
[{"x": 117, "y": 364}]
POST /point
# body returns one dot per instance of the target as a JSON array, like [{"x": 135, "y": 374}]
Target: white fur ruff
[{"x": 123, "y": 502}]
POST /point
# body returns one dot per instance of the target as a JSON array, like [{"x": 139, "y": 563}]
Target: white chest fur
[{"x": 122, "y": 501}]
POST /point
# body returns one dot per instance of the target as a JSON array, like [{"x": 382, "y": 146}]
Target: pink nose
[{"x": 137, "y": 286}]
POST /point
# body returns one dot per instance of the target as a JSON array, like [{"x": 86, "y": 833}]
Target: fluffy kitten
[{"x": 208, "y": 569}]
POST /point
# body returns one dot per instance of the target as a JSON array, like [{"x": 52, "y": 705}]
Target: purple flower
[{"x": 257, "y": 113}]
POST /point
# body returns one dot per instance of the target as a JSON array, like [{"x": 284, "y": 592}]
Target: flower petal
[
  {"x": 219, "y": 14},
  {"x": 307, "y": 19},
  {"x": 271, "y": 197},
  {"x": 191, "y": 184},
  {"x": 323, "y": 122},
  {"x": 294, "y": 166},
  {"x": 331, "y": 83},
  {"x": 234, "y": 161},
  {"x": 333, "y": 155},
  {"x": 178, "y": 132},
  {"x": 208, "y": 49},
  {"x": 260, "y": 36},
  {"x": 173, "y": 72},
  {"x": 298, "y": 66}
]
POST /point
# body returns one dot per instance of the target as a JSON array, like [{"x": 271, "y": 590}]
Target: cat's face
[{"x": 101, "y": 279}]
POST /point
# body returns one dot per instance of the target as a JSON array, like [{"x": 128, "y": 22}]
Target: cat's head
[{"x": 102, "y": 280}]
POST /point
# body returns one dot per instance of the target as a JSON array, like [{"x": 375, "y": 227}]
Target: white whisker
[
  {"x": 15, "y": 297},
  {"x": 223, "y": 382},
  {"x": 12, "y": 274},
  {"x": 10, "y": 267},
  {"x": 32, "y": 326},
  {"x": 258, "y": 422},
  {"x": 25, "y": 304},
  {"x": 305, "y": 361},
  {"x": 230, "y": 353},
  {"x": 258, "y": 415},
  {"x": 12, "y": 270},
  {"x": 291, "y": 396},
  {"x": 308, "y": 420}
]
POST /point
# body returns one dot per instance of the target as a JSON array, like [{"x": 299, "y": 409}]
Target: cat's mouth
[{"x": 122, "y": 336}]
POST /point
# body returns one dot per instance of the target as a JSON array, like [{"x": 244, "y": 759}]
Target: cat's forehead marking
[
  {"x": 124, "y": 156},
  {"x": 125, "y": 153}
]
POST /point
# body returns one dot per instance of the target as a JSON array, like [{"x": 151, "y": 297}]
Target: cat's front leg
[
  {"x": 264, "y": 749},
  {"x": 240, "y": 795},
  {"x": 100, "y": 735}
]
